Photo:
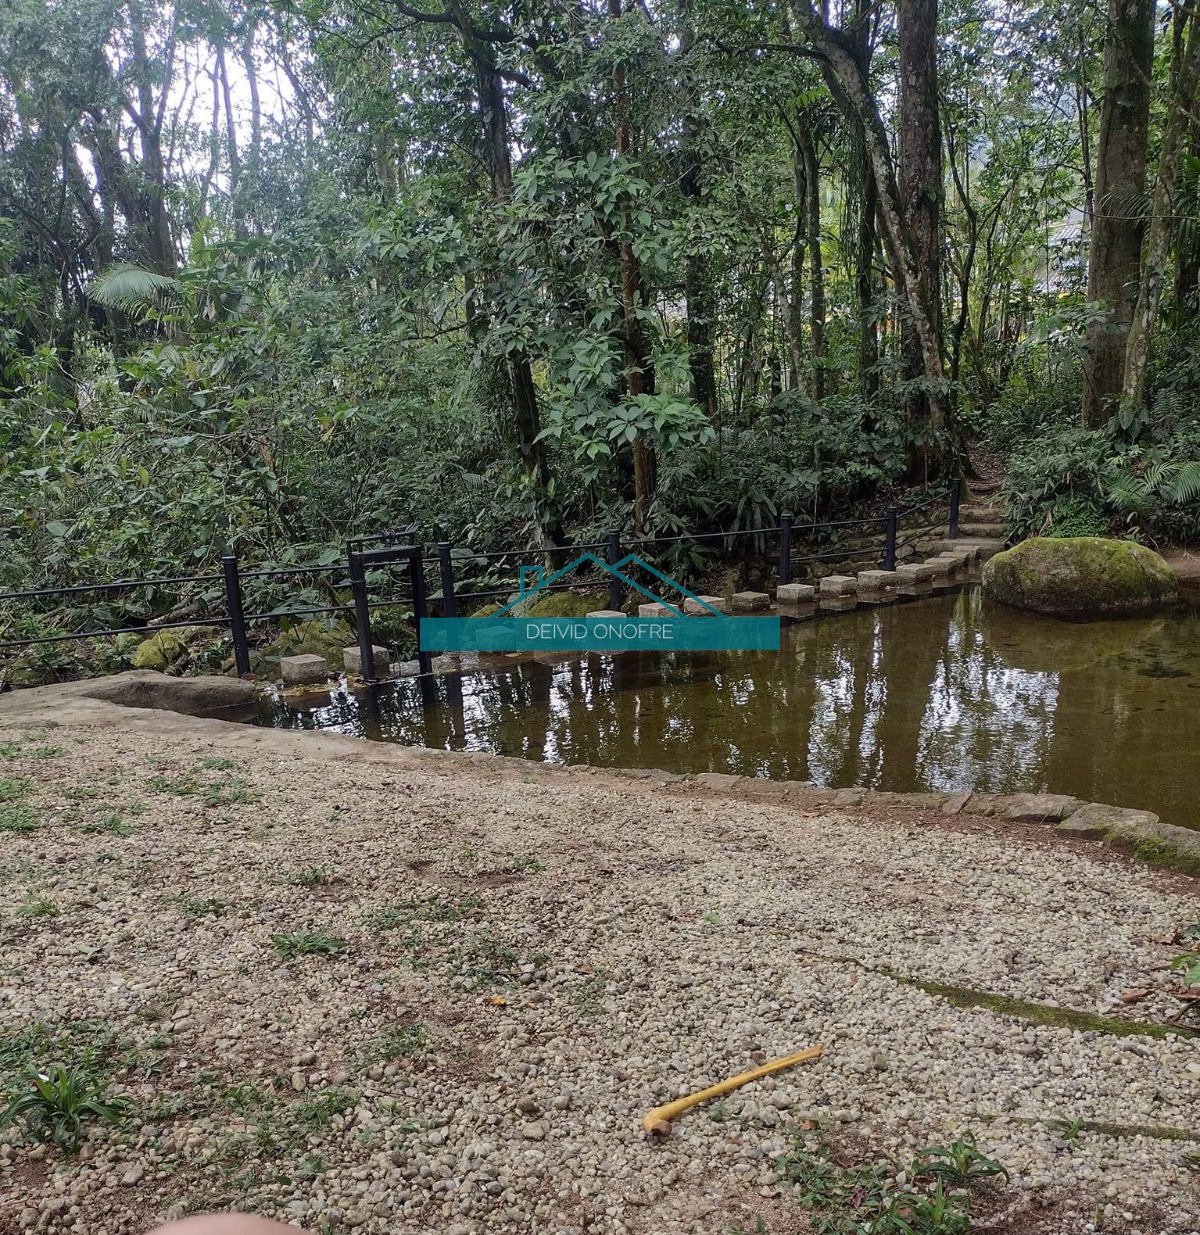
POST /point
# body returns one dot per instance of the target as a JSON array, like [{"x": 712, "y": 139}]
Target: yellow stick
[{"x": 658, "y": 1121}]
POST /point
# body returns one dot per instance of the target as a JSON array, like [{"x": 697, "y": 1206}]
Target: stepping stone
[
  {"x": 605, "y": 613},
  {"x": 982, "y": 548},
  {"x": 839, "y": 604},
  {"x": 654, "y": 610},
  {"x": 698, "y": 609},
  {"x": 751, "y": 602},
  {"x": 943, "y": 567},
  {"x": 352, "y": 661},
  {"x": 915, "y": 572},
  {"x": 877, "y": 580},
  {"x": 304, "y": 670},
  {"x": 795, "y": 593},
  {"x": 839, "y": 585}
]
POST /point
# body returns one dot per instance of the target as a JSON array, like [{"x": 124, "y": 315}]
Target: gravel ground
[{"x": 534, "y": 958}]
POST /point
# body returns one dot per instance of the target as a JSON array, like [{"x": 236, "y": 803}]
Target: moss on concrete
[
  {"x": 1041, "y": 1013},
  {"x": 1080, "y": 578}
]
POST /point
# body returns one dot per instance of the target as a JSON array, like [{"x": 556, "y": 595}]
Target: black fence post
[
  {"x": 446, "y": 565},
  {"x": 236, "y": 611},
  {"x": 416, "y": 570},
  {"x": 889, "y": 544},
  {"x": 955, "y": 502},
  {"x": 616, "y": 596},
  {"x": 785, "y": 549},
  {"x": 362, "y": 616}
]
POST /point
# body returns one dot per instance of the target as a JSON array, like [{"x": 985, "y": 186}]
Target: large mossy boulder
[{"x": 1080, "y": 578}]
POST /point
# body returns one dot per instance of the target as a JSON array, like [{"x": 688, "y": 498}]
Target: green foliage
[
  {"x": 311, "y": 876},
  {"x": 958, "y": 1165},
  {"x": 54, "y": 1104},
  {"x": 1188, "y": 963},
  {"x": 398, "y": 1042},
  {"x": 849, "y": 1199},
  {"x": 38, "y": 907},
  {"x": 307, "y": 943},
  {"x": 18, "y": 817},
  {"x": 434, "y": 908}
]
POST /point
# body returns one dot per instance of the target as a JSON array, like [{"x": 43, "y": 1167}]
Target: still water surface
[{"x": 948, "y": 692}]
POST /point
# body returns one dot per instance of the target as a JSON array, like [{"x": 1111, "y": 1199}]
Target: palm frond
[
  {"x": 1185, "y": 485},
  {"x": 127, "y": 287}
]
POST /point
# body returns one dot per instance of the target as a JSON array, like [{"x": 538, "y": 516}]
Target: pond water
[{"x": 946, "y": 692}]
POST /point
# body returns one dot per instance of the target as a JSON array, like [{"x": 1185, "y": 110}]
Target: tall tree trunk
[
  {"x": 1185, "y": 69},
  {"x": 1114, "y": 260},
  {"x": 493, "y": 116},
  {"x": 639, "y": 374},
  {"x": 920, "y": 142},
  {"x": 1187, "y": 260},
  {"x": 795, "y": 296},
  {"x": 864, "y": 281},
  {"x": 847, "y": 77},
  {"x": 697, "y": 281},
  {"x": 816, "y": 266}
]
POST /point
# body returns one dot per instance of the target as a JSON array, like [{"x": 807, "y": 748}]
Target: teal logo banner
[{"x": 508, "y": 631}]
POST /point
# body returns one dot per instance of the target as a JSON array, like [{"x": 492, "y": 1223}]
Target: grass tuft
[{"x": 307, "y": 943}]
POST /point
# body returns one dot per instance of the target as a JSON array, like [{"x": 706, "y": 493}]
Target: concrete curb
[{"x": 144, "y": 700}]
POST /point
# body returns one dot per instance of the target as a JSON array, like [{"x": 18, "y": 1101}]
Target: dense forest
[{"x": 274, "y": 273}]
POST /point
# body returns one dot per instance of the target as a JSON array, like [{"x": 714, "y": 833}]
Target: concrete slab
[
  {"x": 352, "y": 660},
  {"x": 306, "y": 670},
  {"x": 795, "y": 593},
  {"x": 703, "y": 606},
  {"x": 751, "y": 602},
  {"x": 839, "y": 585}
]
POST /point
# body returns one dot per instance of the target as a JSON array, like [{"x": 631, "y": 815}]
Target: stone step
[
  {"x": 982, "y": 511},
  {"x": 975, "y": 487},
  {"x": 987, "y": 546},
  {"x": 992, "y": 530}
]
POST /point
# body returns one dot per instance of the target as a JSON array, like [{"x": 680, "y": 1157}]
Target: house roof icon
[{"x": 542, "y": 581}]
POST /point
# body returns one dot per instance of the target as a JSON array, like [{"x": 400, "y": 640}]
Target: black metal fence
[{"x": 368, "y": 556}]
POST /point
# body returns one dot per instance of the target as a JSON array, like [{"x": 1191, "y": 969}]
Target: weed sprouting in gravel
[
  {"x": 211, "y": 794},
  {"x": 847, "y": 1199},
  {"x": 307, "y": 943},
  {"x": 13, "y": 788},
  {"x": 316, "y": 1113},
  {"x": 310, "y": 876},
  {"x": 54, "y": 1104},
  {"x": 17, "y": 817},
  {"x": 82, "y": 793},
  {"x": 236, "y": 794},
  {"x": 37, "y": 907},
  {"x": 111, "y": 823},
  {"x": 524, "y": 864},
  {"x": 486, "y": 960},
  {"x": 46, "y": 752},
  {"x": 588, "y": 995},
  {"x": 216, "y": 763},
  {"x": 1067, "y": 1129},
  {"x": 397, "y": 1042},
  {"x": 435, "y": 908},
  {"x": 958, "y": 1165},
  {"x": 177, "y": 786},
  {"x": 199, "y": 907}
]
